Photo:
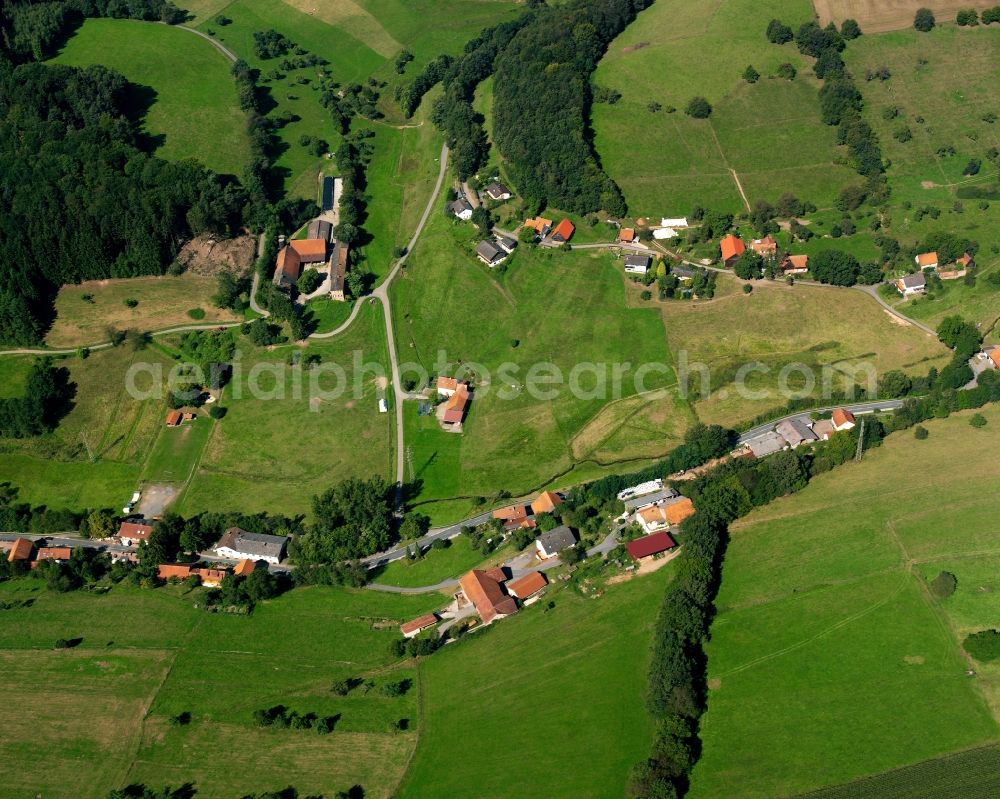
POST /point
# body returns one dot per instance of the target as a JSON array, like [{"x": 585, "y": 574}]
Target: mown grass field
[
  {"x": 281, "y": 442},
  {"x": 821, "y": 328},
  {"x": 438, "y": 565},
  {"x": 163, "y": 302},
  {"x": 544, "y": 704},
  {"x": 564, "y": 309},
  {"x": 96, "y": 717},
  {"x": 847, "y": 652},
  {"x": 770, "y": 133},
  {"x": 194, "y": 110},
  {"x": 119, "y": 429}
]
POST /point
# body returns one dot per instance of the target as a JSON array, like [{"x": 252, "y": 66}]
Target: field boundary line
[{"x": 822, "y": 633}]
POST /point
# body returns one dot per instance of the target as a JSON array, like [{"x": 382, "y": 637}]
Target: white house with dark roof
[
  {"x": 909, "y": 285},
  {"x": 239, "y": 544},
  {"x": 554, "y": 541},
  {"x": 497, "y": 191},
  {"x": 462, "y": 208},
  {"x": 638, "y": 264}
]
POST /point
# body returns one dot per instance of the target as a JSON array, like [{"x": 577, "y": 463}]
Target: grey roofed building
[
  {"x": 916, "y": 281},
  {"x": 506, "y": 243},
  {"x": 319, "y": 229},
  {"x": 638, "y": 263},
  {"x": 489, "y": 253},
  {"x": 795, "y": 432},
  {"x": 554, "y": 541},
  {"x": 461, "y": 208},
  {"x": 656, "y": 498},
  {"x": 682, "y": 271},
  {"x": 327, "y": 202},
  {"x": 767, "y": 444},
  {"x": 242, "y": 544},
  {"x": 498, "y": 191}
]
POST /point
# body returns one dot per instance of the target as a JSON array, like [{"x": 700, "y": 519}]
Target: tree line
[
  {"x": 83, "y": 200},
  {"x": 33, "y": 31},
  {"x": 542, "y": 100},
  {"x": 48, "y": 396}
]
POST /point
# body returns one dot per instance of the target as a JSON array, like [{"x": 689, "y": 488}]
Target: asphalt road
[{"x": 855, "y": 408}]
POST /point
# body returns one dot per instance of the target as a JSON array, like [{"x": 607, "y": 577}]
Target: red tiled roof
[
  {"x": 486, "y": 595},
  {"x": 731, "y": 246},
  {"x": 796, "y": 262},
  {"x": 626, "y": 234},
  {"x": 21, "y": 550},
  {"x": 546, "y": 502},
  {"x": 54, "y": 553},
  {"x": 497, "y": 573},
  {"x": 210, "y": 575},
  {"x": 995, "y": 357},
  {"x": 650, "y": 545},
  {"x": 531, "y": 583},
  {"x": 765, "y": 246},
  {"x": 842, "y": 416},
  {"x": 139, "y": 532},
  {"x": 245, "y": 567},
  {"x": 454, "y": 406},
  {"x": 174, "y": 418},
  {"x": 310, "y": 250},
  {"x": 289, "y": 264},
  {"x": 679, "y": 511},
  {"x": 538, "y": 223},
  {"x": 927, "y": 259},
  {"x": 564, "y": 230},
  {"x": 167, "y": 570},
  {"x": 420, "y": 623},
  {"x": 510, "y": 512}
]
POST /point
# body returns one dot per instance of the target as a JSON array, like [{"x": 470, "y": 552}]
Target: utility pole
[
  {"x": 861, "y": 440},
  {"x": 409, "y": 460}
]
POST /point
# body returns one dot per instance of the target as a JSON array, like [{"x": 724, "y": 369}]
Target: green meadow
[
  {"x": 564, "y": 309},
  {"x": 103, "y": 718},
  {"x": 548, "y": 703},
  {"x": 843, "y": 649},
  {"x": 194, "y": 111},
  {"x": 769, "y": 133},
  {"x": 281, "y": 441}
]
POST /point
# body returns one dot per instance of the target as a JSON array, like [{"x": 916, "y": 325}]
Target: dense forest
[
  {"x": 542, "y": 99},
  {"x": 81, "y": 198},
  {"x": 34, "y": 29}
]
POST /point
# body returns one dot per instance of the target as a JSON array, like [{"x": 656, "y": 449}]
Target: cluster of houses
[
  {"x": 731, "y": 247},
  {"x": 457, "y": 394},
  {"x": 522, "y": 515},
  {"x": 249, "y": 550},
  {"x": 794, "y": 432},
  {"x": 912, "y": 285},
  {"x": 24, "y": 550},
  {"x": 548, "y": 235},
  {"x": 177, "y": 418},
  {"x": 318, "y": 250},
  {"x": 657, "y": 509},
  {"x": 494, "y": 251}
]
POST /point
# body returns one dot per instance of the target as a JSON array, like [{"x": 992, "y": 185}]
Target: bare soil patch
[
  {"x": 879, "y": 16},
  {"x": 633, "y": 47},
  {"x": 207, "y": 255}
]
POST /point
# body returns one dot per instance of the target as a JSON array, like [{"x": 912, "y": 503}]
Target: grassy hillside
[
  {"x": 776, "y": 326},
  {"x": 545, "y": 704},
  {"x": 769, "y": 133},
  {"x": 279, "y": 446},
  {"x": 193, "y": 112},
  {"x": 163, "y": 302},
  {"x": 565, "y": 309},
  {"x": 102, "y": 720},
  {"x": 848, "y": 652}
]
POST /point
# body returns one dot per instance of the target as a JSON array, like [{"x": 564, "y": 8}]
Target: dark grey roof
[
  {"x": 497, "y": 189},
  {"x": 795, "y": 431},
  {"x": 655, "y": 498},
  {"x": 638, "y": 260},
  {"x": 914, "y": 281},
  {"x": 489, "y": 251},
  {"x": 461, "y": 204},
  {"x": 682, "y": 271},
  {"x": 327, "y": 203},
  {"x": 767, "y": 444},
  {"x": 558, "y": 539},
  {"x": 260, "y": 544},
  {"x": 506, "y": 242},
  {"x": 319, "y": 229}
]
